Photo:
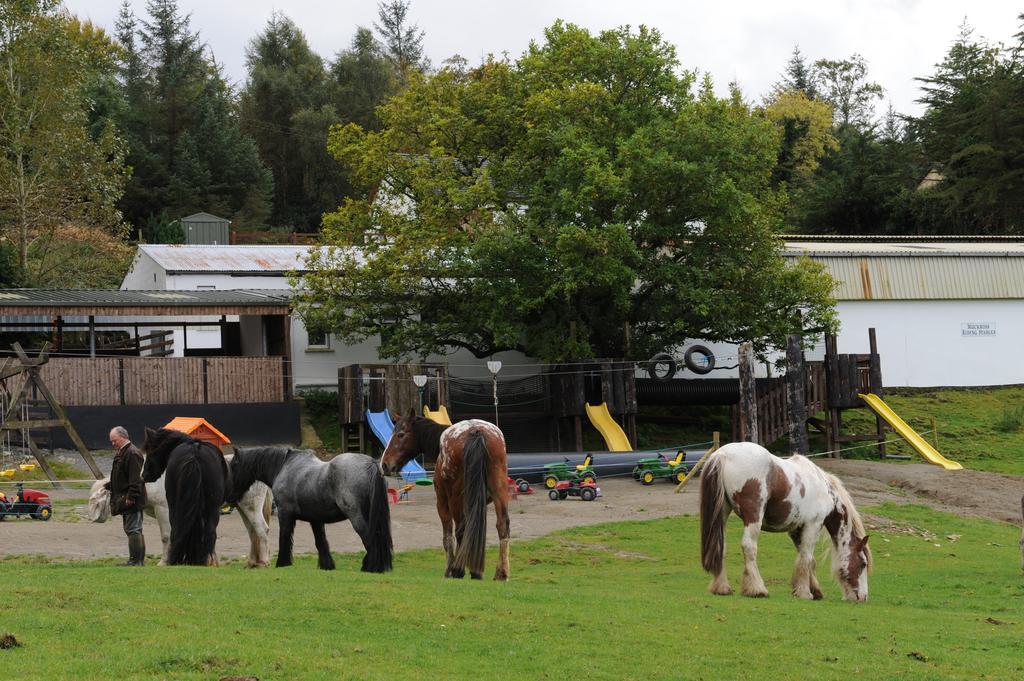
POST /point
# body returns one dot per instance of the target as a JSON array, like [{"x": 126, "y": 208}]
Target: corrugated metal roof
[
  {"x": 204, "y": 217},
  {"x": 30, "y": 297},
  {"x": 905, "y": 248},
  {"x": 71, "y": 302},
  {"x": 228, "y": 259},
  {"x": 911, "y": 270}
]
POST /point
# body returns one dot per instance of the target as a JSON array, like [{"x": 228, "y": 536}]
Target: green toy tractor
[
  {"x": 649, "y": 469},
  {"x": 555, "y": 473}
]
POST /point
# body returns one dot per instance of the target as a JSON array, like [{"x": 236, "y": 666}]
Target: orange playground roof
[{"x": 197, "y": 428}]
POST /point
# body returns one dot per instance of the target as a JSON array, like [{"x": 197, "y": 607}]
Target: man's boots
[{"x": 136, "y": 550}]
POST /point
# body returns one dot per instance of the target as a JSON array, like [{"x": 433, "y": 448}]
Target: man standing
[{"x": 128, "y": 493}]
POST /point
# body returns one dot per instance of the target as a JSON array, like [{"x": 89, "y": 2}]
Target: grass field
[
  {"x": 980, "y": 428},
  {"x": 623, "y": 601}
]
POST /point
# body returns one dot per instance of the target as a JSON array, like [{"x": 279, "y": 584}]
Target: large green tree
[
  {"x": 972, "y": 132},
  {"x": 583, "y": 200},
  {"x": 362, "y": 77},
  {"x": 187, "y": 150},
  {"x": 285, "y": 78},
  {"x": 59, "y": 166}
]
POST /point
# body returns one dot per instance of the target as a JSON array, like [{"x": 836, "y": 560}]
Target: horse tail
[
  {"x": 712, "y": 516},
  {"x": 472, "y": 544},
  {"x": 379, "y": 548},
  {"x": 188, "y": 520}
]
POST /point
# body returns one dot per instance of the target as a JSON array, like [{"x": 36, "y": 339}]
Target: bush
[
  {"x": 320, "y": 402},
  {"x": 1012, "y": 420}
]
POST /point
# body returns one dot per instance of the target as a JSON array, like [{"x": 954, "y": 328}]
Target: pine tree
[
  {"x": 285, "y": 79},
  {"x": 188, "y": 152},
  {"x": 404, "y": 42},
  {"x": 797, "y": 76}
]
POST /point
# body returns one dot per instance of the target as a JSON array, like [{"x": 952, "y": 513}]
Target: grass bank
[{"x": 620, "y": 601}]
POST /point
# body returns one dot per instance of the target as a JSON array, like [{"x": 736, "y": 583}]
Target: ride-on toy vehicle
[
  {"x": 587, "y": 491},
  {"x": 649, "y": 469},
  {"x": 30, "y": 502},
  {"x": 519, "y": 486},
  {"x": 555, "y": 473}
]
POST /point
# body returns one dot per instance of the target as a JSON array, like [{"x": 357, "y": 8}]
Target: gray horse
[{"x": 348, "y": 487}]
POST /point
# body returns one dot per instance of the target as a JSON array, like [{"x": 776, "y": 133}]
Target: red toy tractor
[{"x": 30, "y": 502}]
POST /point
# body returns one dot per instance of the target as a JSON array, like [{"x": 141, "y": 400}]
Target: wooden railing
[
  {"x": 773, "y": 402},
  {"x": 166, "y": 380}
]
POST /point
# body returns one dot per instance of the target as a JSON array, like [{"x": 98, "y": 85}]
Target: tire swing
[
  {"x": 661, "y": 367},
  {"x": 699, "y": 359}
]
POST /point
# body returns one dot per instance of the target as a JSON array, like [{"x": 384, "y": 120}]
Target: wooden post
[
  {"x": 875, "y": 379},
  {"x": 748, "y": 394},
  {"x": 206, "y": 380},
  {"x": 120, "y": 377},
  {"x": 795, "y": 383},
  {"x": 92, "y": 336}
]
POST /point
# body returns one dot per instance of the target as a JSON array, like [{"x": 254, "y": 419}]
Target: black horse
[
  {"x": 196, "y": 483},
  {"x": 348, "y": 487}
]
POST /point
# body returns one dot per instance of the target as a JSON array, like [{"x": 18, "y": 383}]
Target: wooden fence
[
  {"x": 167, "y": 380},
  {"x": 773, "y": 402}
]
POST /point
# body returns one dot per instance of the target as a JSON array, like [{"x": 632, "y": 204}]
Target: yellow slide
[
  {"x": 613, "y": 435},
  {"x": 920, "y": 445},
  {"x": 439, "y": 416}
]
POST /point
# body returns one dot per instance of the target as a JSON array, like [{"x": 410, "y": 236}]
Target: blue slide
[{"x": 382, "y": 426}]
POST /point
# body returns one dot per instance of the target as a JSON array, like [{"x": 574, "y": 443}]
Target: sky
[{"x": 734, "y": 40}]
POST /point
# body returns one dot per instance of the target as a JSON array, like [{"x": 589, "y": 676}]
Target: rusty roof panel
[
  {"x": 253, "y": 259},
  {"x": 925, "y": 278}
]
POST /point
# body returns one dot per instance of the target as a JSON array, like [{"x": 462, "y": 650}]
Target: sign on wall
[{"x": 977, "y": 329}]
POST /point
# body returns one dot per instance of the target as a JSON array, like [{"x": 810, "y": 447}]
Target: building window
[
  {"x": 318, "y": 340},
  {"x": 206, "y": 287}
]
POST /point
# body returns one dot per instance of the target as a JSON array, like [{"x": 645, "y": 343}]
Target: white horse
[
  {"x": 254, "y": 507},
  {"x": 780, "y": 495}
]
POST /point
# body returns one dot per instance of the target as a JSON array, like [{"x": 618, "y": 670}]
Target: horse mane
[
  {"x": 264, "y": 462},
  {"x": 165, "y": 439},
  {"x": 856, "y": 521},
  {"x": 428, "y": 437}
]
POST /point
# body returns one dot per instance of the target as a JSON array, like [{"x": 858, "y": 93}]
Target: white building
[
  {"x": 315, "y": 357},
  {"x": 947, "y": 311}
]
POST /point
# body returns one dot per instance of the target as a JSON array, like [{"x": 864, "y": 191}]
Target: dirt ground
[{"x": 415, "y": 523}]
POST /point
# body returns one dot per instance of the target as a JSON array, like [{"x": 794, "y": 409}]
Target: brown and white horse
[
  {"x": 471, "y": 470},
  {"x": 780, "y": 495}
]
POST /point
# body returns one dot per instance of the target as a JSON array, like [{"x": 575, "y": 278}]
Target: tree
[
  {"x": 285, "y": 78},
  {"x": 580, "y": 201},
  {"x": 843, "y": 83},
  {"x": 56, "y": 170},
  {"x": 187, "y": 150},
  {"x": 404, "y": 43},
  {"x": 805, "y": 126},
  {"x": 363, "y": 77},
  {"x": 798, "y": 76},
  {"x": 972, "y": 133}
]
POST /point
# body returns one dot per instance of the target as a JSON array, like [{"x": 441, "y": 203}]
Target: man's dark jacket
[{"x": 126, "y": 481}]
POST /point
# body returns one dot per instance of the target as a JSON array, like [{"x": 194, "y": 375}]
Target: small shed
[
  {"x": 199, "y": 429},
  {"x": 203, "y": 228}
]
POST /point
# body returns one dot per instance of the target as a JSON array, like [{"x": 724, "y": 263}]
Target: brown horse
[{"x": 471, "y": 471}]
